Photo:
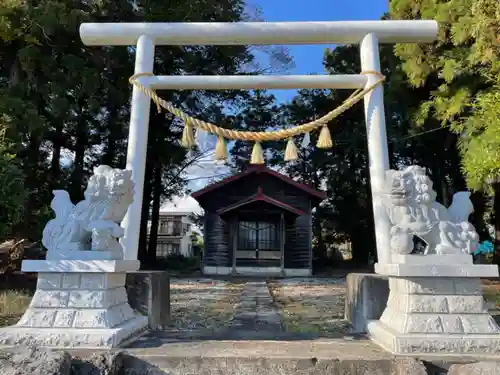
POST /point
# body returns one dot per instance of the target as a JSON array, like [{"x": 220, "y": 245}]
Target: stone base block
[
  {"x": 433, "y": 343},
  {"x": 90, "y": 338},
  {"x": 436, "y": 315},
  {"x": 366, "y": 298},
  {"x": 77, "y": 309},
  {"x": 149, "y": 294}
]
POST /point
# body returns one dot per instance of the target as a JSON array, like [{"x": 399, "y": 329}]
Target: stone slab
[
  {"x": 149, "y": 294},
  {"x": 90, "y": 338},
  {"x": 269, "y": 366},
  {"x": 420, "y": 270},
  {"x": 300, "y": 349},
  {"x": 84, "y": 255},
  {"x": 365, "y": 299},
  {"x": 431, "y": 260},
  {"x": 95, "y": 266}
]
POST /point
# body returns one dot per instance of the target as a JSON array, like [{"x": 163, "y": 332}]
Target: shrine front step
[{"x": 315, "y": 357}]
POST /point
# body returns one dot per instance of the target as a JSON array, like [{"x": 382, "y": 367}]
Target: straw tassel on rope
[
  {"x": 325, "y": 139},
  {"x": 221, "y": 149},
  {"x": 188, "y": 140},
  {"x": 291, "y": 152},
  {"x": 257, "y": 154}
]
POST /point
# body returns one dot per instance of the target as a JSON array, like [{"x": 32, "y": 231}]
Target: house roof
[
  {"x": 260, "y": 169},
  {"x": 260, "y": 197}
]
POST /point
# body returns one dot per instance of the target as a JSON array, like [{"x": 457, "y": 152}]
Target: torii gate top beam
[{"x": 258, "y": 33}]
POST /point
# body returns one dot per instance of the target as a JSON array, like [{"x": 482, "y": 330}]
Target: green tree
[
  {"x": 12, "y": 191},
  {"x": 59, "y": 98},
  {"x": 459, "y": 72},
  {"x": 259, "y": 112}
]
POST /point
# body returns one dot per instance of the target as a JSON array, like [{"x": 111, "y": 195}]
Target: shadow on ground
[{"x": 155, "y": 339}]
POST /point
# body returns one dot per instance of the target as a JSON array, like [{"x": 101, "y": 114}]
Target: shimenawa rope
[{"x": 291, "y": 152}]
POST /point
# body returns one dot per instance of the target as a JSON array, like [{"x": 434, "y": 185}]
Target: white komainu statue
[
  {"x": 413, "y": 211},
  {"x": 94, "y": 223}
]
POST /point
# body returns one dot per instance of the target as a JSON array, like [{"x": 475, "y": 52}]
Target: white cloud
[{"x": 183, "y": 203}]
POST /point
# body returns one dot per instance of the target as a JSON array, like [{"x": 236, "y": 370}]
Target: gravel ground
[
  {"x": 202, "y": 303},
  {"x": 314, "y": 306}
]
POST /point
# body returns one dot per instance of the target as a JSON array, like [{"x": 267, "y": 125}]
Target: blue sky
[{"x": 309, "y": 59}]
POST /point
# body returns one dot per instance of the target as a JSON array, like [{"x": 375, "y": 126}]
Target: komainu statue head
[{"x": 410, "y": 186}]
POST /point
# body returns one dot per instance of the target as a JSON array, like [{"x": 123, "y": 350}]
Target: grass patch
[{"x": 13, "y": 303}]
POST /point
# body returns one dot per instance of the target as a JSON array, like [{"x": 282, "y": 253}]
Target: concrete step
[
  {"x": 250, "y": 357},
  {"x": 327, "y": 357}
]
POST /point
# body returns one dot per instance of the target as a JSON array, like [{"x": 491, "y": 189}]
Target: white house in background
[{"x": 175, "y": 227}]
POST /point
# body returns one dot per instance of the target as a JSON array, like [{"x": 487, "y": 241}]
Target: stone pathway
[
  {"x": 254, "y": 317},
  {"x": 256, "y": 310}
]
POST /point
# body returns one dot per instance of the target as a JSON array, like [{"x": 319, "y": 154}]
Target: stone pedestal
[
  {"x": 365, "y": 300},
  {"x": 77, "y": 303},
  {"x": 436, "y": 306}
]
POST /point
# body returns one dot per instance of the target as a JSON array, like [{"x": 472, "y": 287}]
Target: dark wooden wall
[{"x": 218, "y": 241}]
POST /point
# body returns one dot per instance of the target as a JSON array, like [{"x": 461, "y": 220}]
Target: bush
[{"x": 180, "y": 263}]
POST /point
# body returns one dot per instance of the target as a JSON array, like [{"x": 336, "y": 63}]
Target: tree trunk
[
  {"x": 31, "y": 164},
  {"x": 392, "y": 156},
  {"x": 317, "y": 227},
  {"x": 110, "y": 150},
  {"x": 55, "y": 167},
  {"x": 12, "y": 60},
  {"x": 155, "y": 215},
  {"x": 438, "y": 180},
  {"x": 360, "y": 251},
  {"x": 76, "y": 192},
  {"x": 146, "y": 203},
  {"x": 458, "y": 178},
  {"x": 479, "y": 202}
]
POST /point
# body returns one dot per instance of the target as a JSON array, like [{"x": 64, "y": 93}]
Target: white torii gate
[{"x": 145, "y": 36}]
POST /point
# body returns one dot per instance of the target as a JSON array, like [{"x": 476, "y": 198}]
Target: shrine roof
[{"x": 259, "y": 169}]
